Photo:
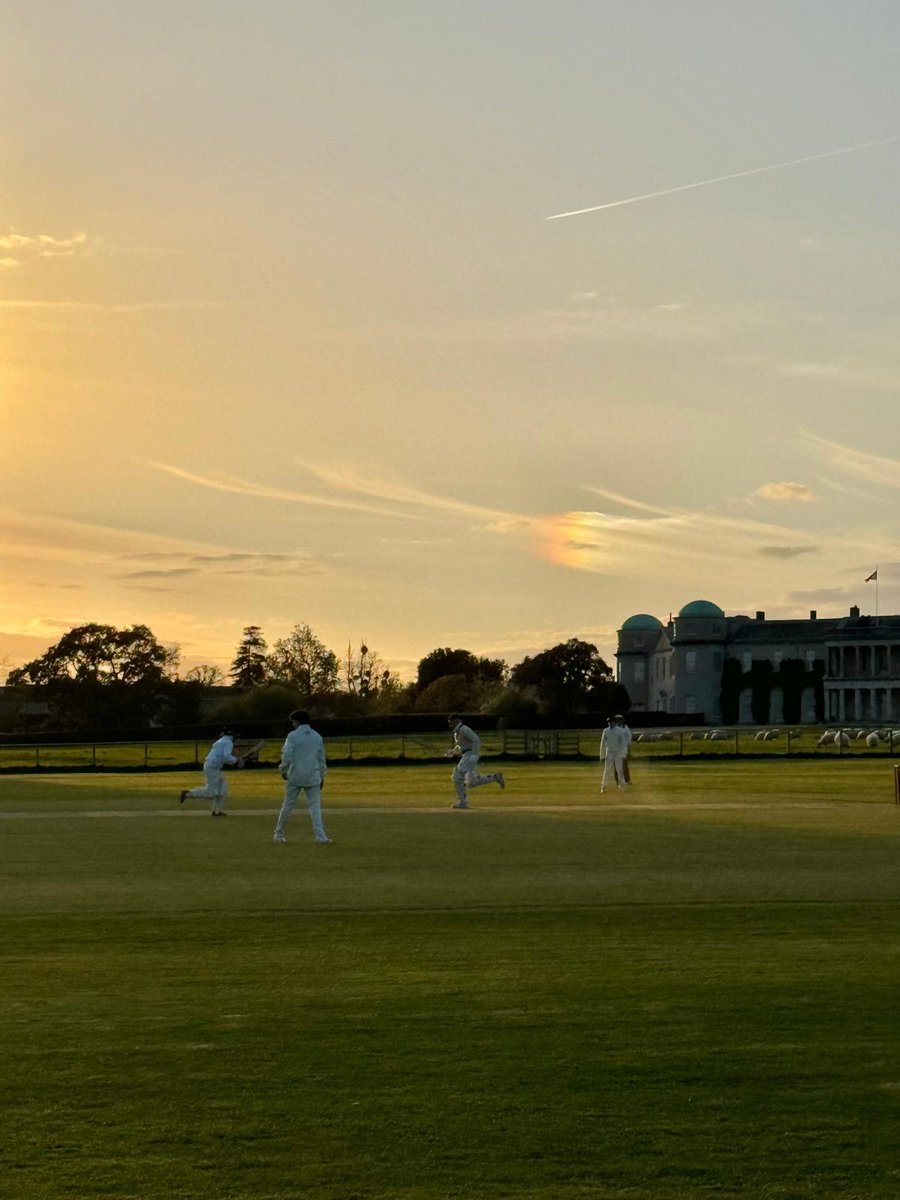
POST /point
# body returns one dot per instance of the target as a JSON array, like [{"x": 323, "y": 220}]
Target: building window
[
  {"x": 810, "y": 658},
  {"x": 690, "y": 662},
  {"x": 639, "y": 673},
  {"x": 777, "y": 657},
  {"x": 747, "y": 661},
  {"x": 690, "y": 704},
  {"x": 717, "y": 660}
]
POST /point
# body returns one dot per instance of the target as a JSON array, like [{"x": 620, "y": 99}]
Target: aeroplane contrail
[{"x": 686, "y": 187}]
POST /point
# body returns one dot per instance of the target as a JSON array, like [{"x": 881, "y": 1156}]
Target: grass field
[{"x": 687, "y": 990}]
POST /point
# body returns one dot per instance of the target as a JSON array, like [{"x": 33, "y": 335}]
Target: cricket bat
[{"x": 252, "y": 753}]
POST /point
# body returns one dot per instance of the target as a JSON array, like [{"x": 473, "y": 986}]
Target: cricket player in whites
[
  {"x": 303, "y": 769},
  {"x": 614, "y": 742},
  {"x": 216, "y": 787},
  {"x": 467, "y": 744}
]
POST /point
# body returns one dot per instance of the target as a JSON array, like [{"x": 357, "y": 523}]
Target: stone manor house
[{"x": 747, "y": 670}]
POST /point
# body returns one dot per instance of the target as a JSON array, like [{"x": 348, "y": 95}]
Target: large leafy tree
[
  {"x": 449, "y": 679},
  {"x": 97, "y": 676},
  {"x": 303, "y": 662},
  {"x": 439, "y": 663},
  {"x": 250, "y": 666},
  {"x": 568, "y": 678},
  {"x": 447, "y": 694}
]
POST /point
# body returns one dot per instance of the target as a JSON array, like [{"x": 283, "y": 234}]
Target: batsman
[{"x": 221, "y": 754}]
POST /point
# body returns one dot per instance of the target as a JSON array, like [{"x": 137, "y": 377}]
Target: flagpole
[{"x": 870, "y": 579}]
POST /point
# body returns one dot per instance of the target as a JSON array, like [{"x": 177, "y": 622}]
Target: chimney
[
  {"x": 760, "y": 616},
  {"x": 854, "y": 611},
  {"x": 812, "y": 614}
]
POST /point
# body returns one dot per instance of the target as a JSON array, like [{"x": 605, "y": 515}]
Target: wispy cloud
[
  {"x": 828, "y": 483},
  {"x": 20, "y": 247},
  {"x": 592, "y": 317},
  {"x": 820, "y": 596},
  {"x": 785, "y": 490},
  {"x": 168, "y": 573},
  {"x": 841, "y": 374},
  {"x": 87, "y": 306},
  {"x": 347, "y": 479},
  {"x": 786, "y": 551},
  {"x": 350, "y": 489},
  {"x": 245, "y": 487},
  {"x": 858, "y": 464},
  {"x": 230, "y": 563},
  {"x": 648, "y": 541},
  {"x": 810, "y": 370}
]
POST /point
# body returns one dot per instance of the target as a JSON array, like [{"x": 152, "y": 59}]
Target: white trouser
[
  {"x": 313, "y": 806},
  {"x": 613, "y": 767},
  {"x": 465, "y": 775},
  {"x": 215, "y": 788}
]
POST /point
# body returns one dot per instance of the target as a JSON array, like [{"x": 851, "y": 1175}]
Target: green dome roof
[
  {"x": 701, "y": 608},
  {"x": 642, "y": 621}
]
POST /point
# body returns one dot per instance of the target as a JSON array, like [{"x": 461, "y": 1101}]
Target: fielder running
[
  {"x": 216, "y": 787},
  {"x": 467, "y": 744},
  {"x": 303, "y": 768}
]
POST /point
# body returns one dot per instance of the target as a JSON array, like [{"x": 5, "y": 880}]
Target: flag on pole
[{"x": 874, "y": 575}]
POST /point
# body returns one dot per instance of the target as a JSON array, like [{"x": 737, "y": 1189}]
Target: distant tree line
[{"x": 99, "y": 677}]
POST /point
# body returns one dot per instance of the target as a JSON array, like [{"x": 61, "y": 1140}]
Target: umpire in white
[{"x": 303, "y": 768}]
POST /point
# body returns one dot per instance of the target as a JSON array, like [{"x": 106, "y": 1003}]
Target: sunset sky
[{"x": 287, "y": 336}]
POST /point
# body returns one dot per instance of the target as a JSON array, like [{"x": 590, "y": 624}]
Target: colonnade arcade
[{"x": 861, "y": 682}]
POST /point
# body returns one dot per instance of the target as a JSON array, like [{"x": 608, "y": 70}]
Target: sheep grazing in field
[
  {"x": 718, "y": 735},
  {"x": 827, "y": 738},
  {"x": 760, "y": 736},
  {"x": 771, "y": 734},
  {"x": 841, "y": 738},
  {"x": 873, "y": 740},
  {"x": 697, "y": 736}
]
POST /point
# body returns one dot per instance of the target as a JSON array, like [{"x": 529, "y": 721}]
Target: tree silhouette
[
  {"x": 100, "y": 676},
  {"x": 250, "y": 667}
]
